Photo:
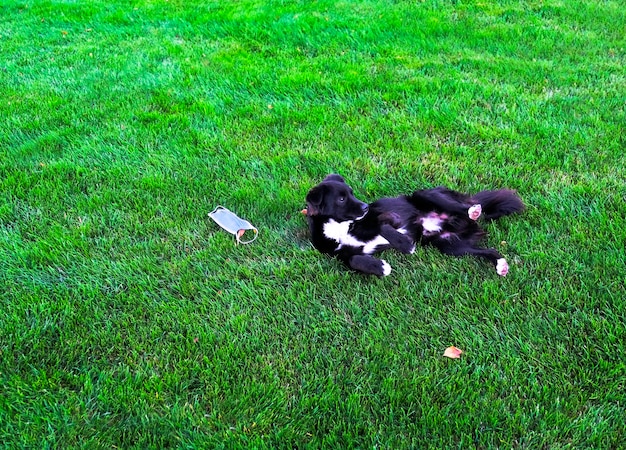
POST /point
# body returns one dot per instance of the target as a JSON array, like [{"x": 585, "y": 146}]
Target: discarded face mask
[{"x": 229, "y": 221}]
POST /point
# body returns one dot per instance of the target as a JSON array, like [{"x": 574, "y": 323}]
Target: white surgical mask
[{"x": 233, "y": 224}]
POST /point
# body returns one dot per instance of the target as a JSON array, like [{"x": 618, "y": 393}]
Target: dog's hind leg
[
  {"x": 369, "y": 265},
  {"x": 490, "y": 254},
  {"x": 445, "y": 200},
  {"x": 498, "y": 203}
]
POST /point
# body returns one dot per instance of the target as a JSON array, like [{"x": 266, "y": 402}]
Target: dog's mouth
[{"x": 365, "y": 210}]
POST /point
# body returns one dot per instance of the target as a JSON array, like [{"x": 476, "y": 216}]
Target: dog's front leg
[
  {"x": 369, "y": 265},
  {"x": 397, "y": 240}
]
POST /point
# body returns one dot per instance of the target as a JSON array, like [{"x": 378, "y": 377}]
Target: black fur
[{"x": 351, "y": 230}]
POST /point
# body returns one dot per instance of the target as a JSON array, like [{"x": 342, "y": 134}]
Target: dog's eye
[{"x": 341, "y": 199}]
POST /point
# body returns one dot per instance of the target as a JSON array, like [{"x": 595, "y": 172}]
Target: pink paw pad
[
  {"x": 502, "y": 267},
  {"x": 474, "y": 212}
]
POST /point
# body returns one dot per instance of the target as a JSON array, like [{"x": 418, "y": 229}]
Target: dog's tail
[{"x": 498, "y": 203}]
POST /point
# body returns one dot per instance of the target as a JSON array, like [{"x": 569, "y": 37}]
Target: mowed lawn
[{"x": 129, "y": 319}]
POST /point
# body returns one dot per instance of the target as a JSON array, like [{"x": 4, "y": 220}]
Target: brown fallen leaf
[{"x": 452, "y": 352}]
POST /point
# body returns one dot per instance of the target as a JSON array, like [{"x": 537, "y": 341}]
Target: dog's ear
[
  {"x": 314, "y": 200},
  {"x": 334, "y": 177}
]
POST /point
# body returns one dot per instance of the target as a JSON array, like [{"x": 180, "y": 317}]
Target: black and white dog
[{"x": 345, "y": 227}]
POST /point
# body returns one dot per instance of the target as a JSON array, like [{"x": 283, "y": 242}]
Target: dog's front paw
[
  {"x": 474, "y": 212},
  {"x": 502, "y": 267},
  {"x": 386, "y": 268},
  {"x": 406, "y": 246}
]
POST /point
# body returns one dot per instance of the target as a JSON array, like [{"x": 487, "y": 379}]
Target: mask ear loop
[{"x": 241, "y": 232}]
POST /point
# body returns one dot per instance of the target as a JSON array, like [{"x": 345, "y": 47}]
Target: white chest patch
[
  {"x": 431, "y": 224},
  {"x": 340, "y": 232}
]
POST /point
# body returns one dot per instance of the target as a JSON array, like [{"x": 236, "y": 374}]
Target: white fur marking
[
  {"x": 474, "y": 212},
  {"x": 340, "y": 232},
  {"x": 386, "y": 268},
  {"x": 431, "y": 224},
  {"x": 502, "y": 267}
]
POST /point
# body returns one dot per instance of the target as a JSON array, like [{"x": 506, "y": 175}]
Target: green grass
[{"x": 128, "y": 319}]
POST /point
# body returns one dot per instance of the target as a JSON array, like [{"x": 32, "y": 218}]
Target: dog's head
[{"x": 334, "y": 198}]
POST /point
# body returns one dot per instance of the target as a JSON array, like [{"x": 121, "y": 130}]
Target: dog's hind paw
[
  {"x": 386, "y": 267},
  {"x": 502, "y": 267},
  {"x": 474, "y": 212}
]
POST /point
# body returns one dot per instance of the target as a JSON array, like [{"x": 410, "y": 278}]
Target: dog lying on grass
[{"x": 351, "y": 230}]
